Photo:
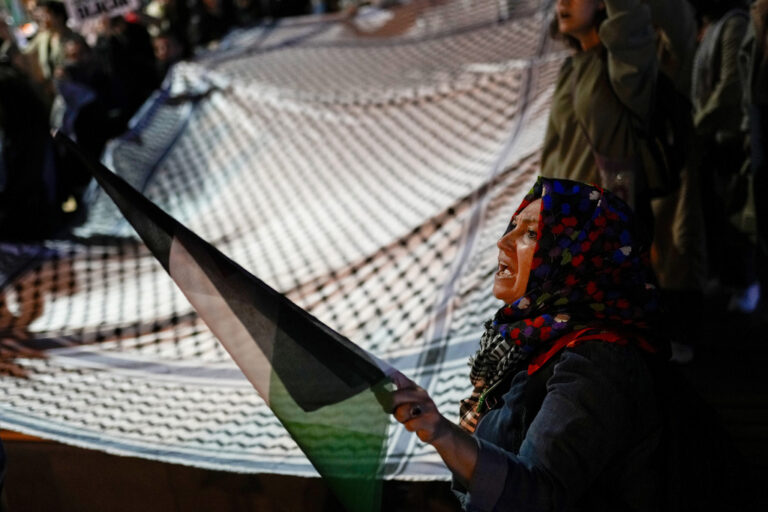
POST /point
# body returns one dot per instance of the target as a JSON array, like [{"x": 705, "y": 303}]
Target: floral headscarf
[{"x": 591, "y": 269}]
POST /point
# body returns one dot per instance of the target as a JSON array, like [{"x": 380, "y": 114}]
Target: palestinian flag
[{"x": 326, "y": 391}]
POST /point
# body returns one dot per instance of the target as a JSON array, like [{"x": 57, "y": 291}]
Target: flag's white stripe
[{"x": 220, "y": 318}]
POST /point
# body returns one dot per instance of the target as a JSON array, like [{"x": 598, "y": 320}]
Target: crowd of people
[
  {"x": 663, "y": 103},
  {"x": 87, "y": 80}
]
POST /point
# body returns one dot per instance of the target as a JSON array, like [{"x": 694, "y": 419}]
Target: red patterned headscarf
[{"x": 591, "y": 269}]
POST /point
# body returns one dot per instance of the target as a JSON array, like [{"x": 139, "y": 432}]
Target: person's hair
[
  {"x": 56, "y": 8},
  {"x": 554, "y": 29}
]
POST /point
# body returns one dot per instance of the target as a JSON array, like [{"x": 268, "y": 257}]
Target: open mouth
[{"x": 504, "y": 271}]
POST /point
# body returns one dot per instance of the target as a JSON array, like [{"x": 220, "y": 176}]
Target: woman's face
[
  {"x": 516, "y": 250},
  {"x": 576, "y": 18}
]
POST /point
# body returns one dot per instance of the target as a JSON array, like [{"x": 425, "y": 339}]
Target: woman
[
  {"x": 563, "y": 410},
  {"x": 602, "y": 104}
]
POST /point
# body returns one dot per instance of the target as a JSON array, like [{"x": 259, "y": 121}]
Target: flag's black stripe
[{"x": 317, "y": 365}]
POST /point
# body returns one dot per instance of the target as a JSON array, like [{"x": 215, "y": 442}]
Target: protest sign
[{"x": 80, "y": 10}]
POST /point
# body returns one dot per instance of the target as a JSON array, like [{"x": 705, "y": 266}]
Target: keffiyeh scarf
[{"x": 590, "y": 269}]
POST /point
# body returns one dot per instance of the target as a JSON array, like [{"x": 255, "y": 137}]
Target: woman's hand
[{"x": 414, "y": 408}]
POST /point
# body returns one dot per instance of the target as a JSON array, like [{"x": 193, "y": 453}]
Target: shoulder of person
[{"x": 614, "y": 354}]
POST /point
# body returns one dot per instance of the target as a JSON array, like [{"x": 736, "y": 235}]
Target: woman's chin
[{"x": 504, "y": 291}]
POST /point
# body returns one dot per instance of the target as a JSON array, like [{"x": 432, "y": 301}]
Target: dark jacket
[{"x": 581, "y": 433}]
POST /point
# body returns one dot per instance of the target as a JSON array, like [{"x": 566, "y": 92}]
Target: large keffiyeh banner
[
  {"x": 330, "y": 395},
  {"x": 364, "y": 178}
]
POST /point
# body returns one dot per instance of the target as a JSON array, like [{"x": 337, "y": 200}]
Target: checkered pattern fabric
[{"x": 366, "y": 178}]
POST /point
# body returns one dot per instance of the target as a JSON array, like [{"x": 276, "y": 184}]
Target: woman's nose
[{"x": 506, "y": 242}]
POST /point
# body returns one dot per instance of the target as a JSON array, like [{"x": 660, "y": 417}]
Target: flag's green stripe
[{"x": 345, "y": 441}]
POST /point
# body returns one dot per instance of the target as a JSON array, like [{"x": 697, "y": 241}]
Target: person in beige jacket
[
  {"x": 46, "y": 52},
  {"x": 603, "y": 100}
]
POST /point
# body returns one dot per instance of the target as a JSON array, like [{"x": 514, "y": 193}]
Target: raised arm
[{"x": 628, "y": 36}]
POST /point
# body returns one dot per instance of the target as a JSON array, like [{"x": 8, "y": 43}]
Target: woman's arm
[
  {"x": 598, "y": 398},
  {"x": 628, "y": 36},
  {"x": 414, "y": 408}
]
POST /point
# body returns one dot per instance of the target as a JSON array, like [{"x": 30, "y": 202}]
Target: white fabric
[{"x": 367, "y": 179}]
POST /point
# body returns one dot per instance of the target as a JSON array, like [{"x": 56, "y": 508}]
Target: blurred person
[
  {"x": 35, "y": 16},
  {"x": 209, "y": 21},
  {"x": 125, "y": 53},
  {"x": 168, "y": 51},
  {"x": 716, "y": 93},
  {"x": 79, "y": 109},
  {"x": 46, "y": 49},
  {"x": 9, "y": 49},
  {"x": 754, "y": 72},
  {"x": 679, "y": 254},
  {"x": 29, "y": 199},
  {"x": 169, "y": 17},
  {"x": 33, "y": 11}
]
